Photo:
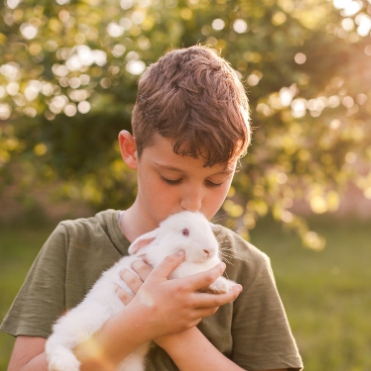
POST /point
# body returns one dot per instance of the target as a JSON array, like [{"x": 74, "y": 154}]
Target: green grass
[
  {"x": 327, "y": 295},
  {"x": 18, "y": 249}
]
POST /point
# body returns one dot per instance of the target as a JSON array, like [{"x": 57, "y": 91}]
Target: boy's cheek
[{"x": 214, "y": 203}]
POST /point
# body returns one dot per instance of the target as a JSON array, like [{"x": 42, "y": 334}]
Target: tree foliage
[{"x": 68, "y": 81}]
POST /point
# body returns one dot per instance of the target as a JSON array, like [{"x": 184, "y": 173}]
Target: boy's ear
[{"x": 128, "y": 149}]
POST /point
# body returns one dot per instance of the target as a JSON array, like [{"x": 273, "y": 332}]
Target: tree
[{"x": 68, "y": 85}]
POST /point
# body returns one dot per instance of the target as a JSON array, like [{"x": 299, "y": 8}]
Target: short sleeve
[
  {"x": 41, "y": 299},
  {"x": 260, "y": 329}
]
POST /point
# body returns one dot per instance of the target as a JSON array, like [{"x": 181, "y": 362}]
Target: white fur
[{"x": 102, "y": 302}]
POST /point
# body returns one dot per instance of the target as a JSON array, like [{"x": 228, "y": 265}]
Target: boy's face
[{"x": 169, "y": 183}]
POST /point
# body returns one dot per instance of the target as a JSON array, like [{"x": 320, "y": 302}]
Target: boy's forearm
[
  {"x": 39, "y": 363},
  {"x": 118, "y": 337},
  {"x": 104, "y": 350},
  {"x": 192, "y": 351}
]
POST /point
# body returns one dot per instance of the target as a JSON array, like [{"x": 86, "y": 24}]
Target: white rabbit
[{"x": 186, "y": 231}]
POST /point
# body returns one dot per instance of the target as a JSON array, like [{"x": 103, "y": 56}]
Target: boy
[{"x": 190, "y": 126}]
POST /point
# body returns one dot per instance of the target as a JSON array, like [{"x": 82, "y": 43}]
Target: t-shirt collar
[{"x": 117, "y": 235}]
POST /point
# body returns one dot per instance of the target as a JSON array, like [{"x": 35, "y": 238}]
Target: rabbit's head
[{"x": 186, "y": 231}]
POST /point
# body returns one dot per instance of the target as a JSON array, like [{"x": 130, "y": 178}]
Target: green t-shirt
[{"x": 252, "y": 331}]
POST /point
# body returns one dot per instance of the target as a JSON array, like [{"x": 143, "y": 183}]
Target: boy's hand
[
  {"x": 168, "y": 306},
  {"x": 143, "y": 268}
]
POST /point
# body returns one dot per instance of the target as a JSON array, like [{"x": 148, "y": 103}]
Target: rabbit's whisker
[
  {"x": 226, "y": 260},
  {"x": 229, "y": 249},
  {"x": 218, "y": 217},
  {"x": 225, "y": 272},
  {"x": 224, "y": 243},
  {"x": 221, "y": 241},
  {"x": 227, "y": 254},
  {"x": 232, "y": 224},
  {"x": 231, "y": 256}
]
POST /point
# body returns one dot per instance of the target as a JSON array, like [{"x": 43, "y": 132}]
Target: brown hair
[{"x": 193, "y": 96}]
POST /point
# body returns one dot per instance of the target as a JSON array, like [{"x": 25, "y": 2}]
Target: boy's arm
[
  {"x": 103, "y": 352},
  {"x": 137, "y": 323},
  {"x": 29, "y": 353},
  {"x": 28, "y": 349},
  {"x": 189, "y": 349},
  {"x": 192, "y": 351}
]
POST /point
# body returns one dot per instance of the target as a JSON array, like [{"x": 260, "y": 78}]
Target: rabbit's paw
[
  {"x": 63, "y": 360},
  {"x": 220, "y": 286}
]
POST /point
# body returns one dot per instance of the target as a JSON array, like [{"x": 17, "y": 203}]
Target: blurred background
[{"x": 68, "y": 83}]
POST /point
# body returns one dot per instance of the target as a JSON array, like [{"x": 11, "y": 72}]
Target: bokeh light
[
  {"x": 300, "y": 58},
  {"x": 83, "y": 107},
  {"x": 240, "y": 26},
  {"x": 218, "y": 24},
  {"x": 5, "y": 111},
  {"x": 28, "y": 31}
]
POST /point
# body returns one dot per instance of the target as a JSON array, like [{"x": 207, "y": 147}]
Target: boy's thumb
[{"x": 164, "y": 269}]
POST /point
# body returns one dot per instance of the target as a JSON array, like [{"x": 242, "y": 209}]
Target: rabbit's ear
[{"x": 142, "y": 241}]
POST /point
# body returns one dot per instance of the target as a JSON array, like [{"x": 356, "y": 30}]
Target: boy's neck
[{"x": 135, "y": 222}]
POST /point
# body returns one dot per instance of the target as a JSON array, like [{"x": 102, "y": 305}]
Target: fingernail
[
  {"x": 223, "y": 266},
  {"x": 180, "y": 253},
  {"x": 240, "y": 288}
]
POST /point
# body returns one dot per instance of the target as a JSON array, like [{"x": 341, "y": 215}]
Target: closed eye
[
  {"x": 177, "y": 181},
  {"x": 211, "y": 184},
  {"x": 168, "y": 181}
]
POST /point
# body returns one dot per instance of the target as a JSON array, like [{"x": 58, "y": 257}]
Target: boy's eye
[
  {"x": 211, "y": 184},
  {"x": 177, "y": 181},
  {"x": 171, "y": 181}
]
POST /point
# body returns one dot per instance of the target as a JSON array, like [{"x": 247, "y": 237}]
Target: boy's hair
[{"x": 194, "y": 97}]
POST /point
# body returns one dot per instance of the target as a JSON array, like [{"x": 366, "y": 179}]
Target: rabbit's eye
[{"x": 185, "y": 232}]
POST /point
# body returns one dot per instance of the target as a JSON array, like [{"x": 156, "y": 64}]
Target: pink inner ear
[{"x": 138, "y": 245}]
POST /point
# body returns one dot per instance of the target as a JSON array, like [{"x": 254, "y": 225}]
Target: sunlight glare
[
  {"x": 240, "y": 26},
  {"x": 364, "y": 24},
  {"x": 12, "y": 4},
  {"x": 350, "y": 157},
  {"x": 146, "y": 298},
  {"x": 334, "y": 124},
  {"x": 298, "y": 107},
  {"x": 28, "y": 31},
  {"x": 218, "y": 24},
  {"x": 347, "y": 24},
  {"x": 253, "y": 79},
  {"x": 5, "y": 111},
  {"x": 281, "y": 178},
  {"x": 115, "y": 30},
  {"x": 300, "y": 58},
  {"x": 350, "y": 7},
  {"x": 135, "y": 67},
  {"x": 91, "y": 349},
  {"x": 126, "y": 4},
  {"x": 83, "y": 107},
  {"x": 367, "y": 193},
  {"x": 12, "y": 88}
]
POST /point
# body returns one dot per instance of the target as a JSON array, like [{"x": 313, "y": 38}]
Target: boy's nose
[
  {"x": 192, "y": 201},
  {"x": 191, "y": 204}
]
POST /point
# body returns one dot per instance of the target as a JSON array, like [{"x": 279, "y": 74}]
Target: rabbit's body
[{"x": 186, "y": 231}]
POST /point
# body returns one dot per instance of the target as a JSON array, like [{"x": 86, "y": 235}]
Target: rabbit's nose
[{"x": 207, "y": 253}]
